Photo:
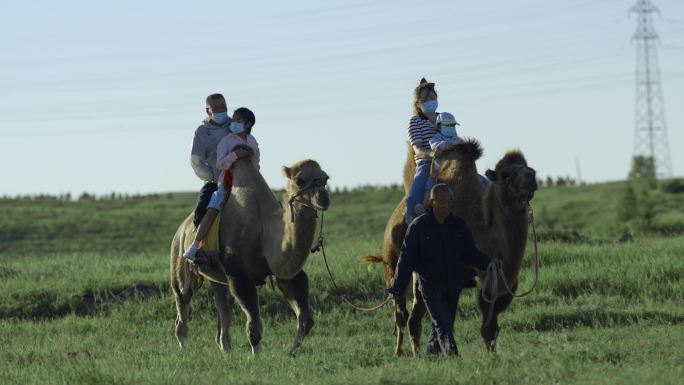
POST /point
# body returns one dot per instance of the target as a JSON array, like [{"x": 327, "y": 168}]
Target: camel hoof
[
  {"x": 225, "y": 345},
  {"x": 256, "y": 350},
  {"x": 414, "y": 348},
  {"x": 181, "y": 334},
  {"x": 295, "y": 350}
]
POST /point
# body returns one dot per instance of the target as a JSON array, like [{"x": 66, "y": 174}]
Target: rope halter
[{"x": 309, "y": 189}]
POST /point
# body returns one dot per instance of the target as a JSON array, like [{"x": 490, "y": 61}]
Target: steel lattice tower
[{"x": 650, "y": 131}]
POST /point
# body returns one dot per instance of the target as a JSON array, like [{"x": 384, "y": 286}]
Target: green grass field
[{"x": 85, "y": 300}]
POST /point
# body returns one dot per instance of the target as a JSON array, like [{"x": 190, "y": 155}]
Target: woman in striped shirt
[{"x": 421, "y": 129}]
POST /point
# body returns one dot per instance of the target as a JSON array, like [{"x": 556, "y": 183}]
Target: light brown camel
[
  {"x": 496, "y": 216},
  {"x": 258, "y": 238}
]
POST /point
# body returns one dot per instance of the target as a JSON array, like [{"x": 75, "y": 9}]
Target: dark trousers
[
  {"x": 203, "y": 201},
  {"x": 442, "y": 309}
]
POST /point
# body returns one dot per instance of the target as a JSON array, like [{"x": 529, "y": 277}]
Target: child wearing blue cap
[{"x": 445, "y": 138}]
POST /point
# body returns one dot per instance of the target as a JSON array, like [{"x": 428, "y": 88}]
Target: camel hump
[
  {"x": 469, "y": 150},
  {"x": 248, "y": 181},
  {"x": 371, "y": 259}
]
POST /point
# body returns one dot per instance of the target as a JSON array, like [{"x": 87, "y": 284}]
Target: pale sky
[{"x": 105, "y": 96}]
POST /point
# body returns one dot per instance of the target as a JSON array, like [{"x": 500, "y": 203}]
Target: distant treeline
[
  {"x": 85, "y": 196},
  {"x": 672, "y": 186},
  {"x": 68, "y": 197}
]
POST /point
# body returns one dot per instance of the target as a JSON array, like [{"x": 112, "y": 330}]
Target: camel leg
[
  {"x": 400, "y": 316},
  {"x": 490, "y": 331},
  {"x": 243, "y": 289},
  {"x": 182, "y": 313},
  {"x": 418, "y": 311},
  {"x": 296, "y": 292},
  {"x": 224, "y": 306}
]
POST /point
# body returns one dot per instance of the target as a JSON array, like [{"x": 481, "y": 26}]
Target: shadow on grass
[
  {"x": 325, "y": 299},
  {"x": 42, "y": 305},
  {"x": 47, "y": 305}
]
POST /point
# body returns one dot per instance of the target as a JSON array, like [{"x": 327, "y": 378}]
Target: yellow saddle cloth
[{"x": 210, "y": 243}]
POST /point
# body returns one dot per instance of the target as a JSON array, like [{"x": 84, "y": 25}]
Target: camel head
[
  {"x": 306, "y": 183},
  {"x": 517, "y": 181}
]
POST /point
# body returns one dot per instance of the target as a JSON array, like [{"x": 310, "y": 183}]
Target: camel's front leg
[
  {"x": 224, "y": 306},
  {"x": 490, "y": 330},
  {"x": 296, "y": 292}
]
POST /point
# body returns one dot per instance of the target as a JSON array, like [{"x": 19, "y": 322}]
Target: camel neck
[
  {"x": 511, "y": 222},
  {"x": 299, "y": 234}
]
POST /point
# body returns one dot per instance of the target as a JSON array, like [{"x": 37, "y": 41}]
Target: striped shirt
[{"x": 420, "y": 131}]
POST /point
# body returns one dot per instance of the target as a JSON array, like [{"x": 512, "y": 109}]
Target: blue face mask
[
  {"x": 219, "y": 117},
  {"x": 448, "y": 131},
  {"x": 429, "y": 107},
  {"x": 237, "y": 128}
]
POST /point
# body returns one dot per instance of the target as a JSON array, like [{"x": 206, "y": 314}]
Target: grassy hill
[
  {"x": 84, "y": 299},
  {"x": 148, "y": 223}
]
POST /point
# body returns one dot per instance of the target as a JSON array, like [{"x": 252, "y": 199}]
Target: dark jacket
[{"x": 437, "y": 252}]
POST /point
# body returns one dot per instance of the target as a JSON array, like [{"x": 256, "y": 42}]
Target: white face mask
[
  {"x": 237, "y": 128},
  {"x": 219, "y": 117},
  {"x": 448, "y": 131},
  {"x": 429, "y": 107}
]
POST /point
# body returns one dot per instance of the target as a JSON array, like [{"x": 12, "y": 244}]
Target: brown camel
[
  {"x": 258, "y": 238},
  {"x": 496, "y": 216}
]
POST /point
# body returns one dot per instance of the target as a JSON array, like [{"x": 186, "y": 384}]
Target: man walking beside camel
[{"x": 436, "y": 246}]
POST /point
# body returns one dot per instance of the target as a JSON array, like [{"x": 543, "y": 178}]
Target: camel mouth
[
  {"x": 527, "y": 195},
  {"x": 321, "y": 206},
  {"x": 321, "y": 200}
]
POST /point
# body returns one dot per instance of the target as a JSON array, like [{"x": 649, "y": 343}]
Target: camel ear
[
  {"x": 423, "y": 81},
  {"x": 491, "y": 175},
  {"x": 287, "y": 172}
]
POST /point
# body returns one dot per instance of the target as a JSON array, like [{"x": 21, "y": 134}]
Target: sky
[{"x": 105, "y": 96}]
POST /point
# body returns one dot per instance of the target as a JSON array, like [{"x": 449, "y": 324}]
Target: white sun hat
[{"x": 446, "y": 119}]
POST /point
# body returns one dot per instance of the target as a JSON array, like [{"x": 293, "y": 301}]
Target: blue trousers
[
  {"x": 421, "y": 183},
  {"x": 485, "y": 182},
  {"x": 442, "y": 307}
]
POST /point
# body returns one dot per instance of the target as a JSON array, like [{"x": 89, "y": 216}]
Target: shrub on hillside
[
  {"x": 673, "y": 186},
  {"x": 628, "y": 207},
  {"x": 643, "y": 170}
]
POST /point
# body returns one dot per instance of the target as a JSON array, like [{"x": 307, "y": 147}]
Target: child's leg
[
  {"x": 202, "y": 202},
  {"x": 485, "y": 182},
  {"x": 417, "y": 192},
  {"x": 429, "y": 184},
  {"x": 206, "y": 223}
]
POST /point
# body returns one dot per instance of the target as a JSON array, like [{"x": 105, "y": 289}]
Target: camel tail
[
  {"x": 470, "y": 150},
  {"x": 371, "y": 259}
]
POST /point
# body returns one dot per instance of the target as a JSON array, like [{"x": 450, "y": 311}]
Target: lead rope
[
  {"x": 319, "y": 247},
  {"x": 495, "y": 268}
]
